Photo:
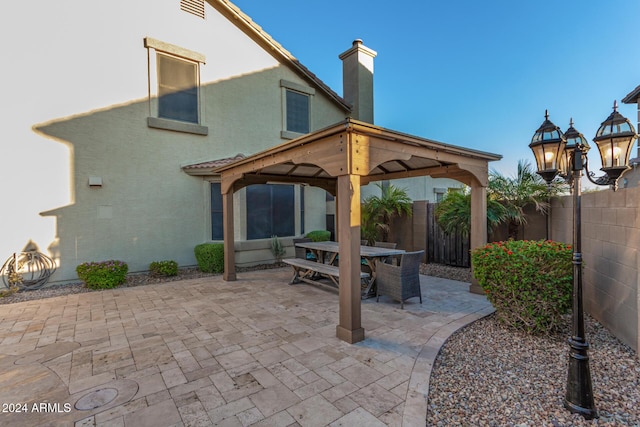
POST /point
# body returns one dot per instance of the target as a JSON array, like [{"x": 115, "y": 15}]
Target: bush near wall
[
  {"x": 104, "y": 274},
  {"x": 210, "y": 257},
  {"x": 163, "y": 268},
  {"x": 319, "y": 235},
  {"x": 529, "y": 283}
]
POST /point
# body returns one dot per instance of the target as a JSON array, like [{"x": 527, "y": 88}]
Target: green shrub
[
  {"x": 210, "y": 257},
  {"x": 276, "y": 248},
  {"x": 319, "y": 235},
  {"x": 163, "y": 268},
  {"x": 530, "y": 283},
  {"x": 104, "y": 274}
]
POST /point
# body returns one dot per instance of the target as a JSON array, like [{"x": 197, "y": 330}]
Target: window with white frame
[
  {"x": 296, "y": 99},
  {"x": 174, "y": 87}
]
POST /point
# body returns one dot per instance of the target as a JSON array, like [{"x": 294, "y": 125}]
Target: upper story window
[
  {"x": 297, "y": 112},
  {"x": 177, "y": 88},
  {"x": 174, "y": 88},
  {"x": 297, "y": 109}
]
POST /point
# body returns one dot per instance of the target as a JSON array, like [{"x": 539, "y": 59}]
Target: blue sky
[{"x": 479, "y": 74}]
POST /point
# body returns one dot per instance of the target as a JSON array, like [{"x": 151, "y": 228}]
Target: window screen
[
  {"x": 177, "y": 89},
  {"x": 217, "y": 231},
  {"x": 270, "y": 211},
  {"x": 297, "y": 112}
]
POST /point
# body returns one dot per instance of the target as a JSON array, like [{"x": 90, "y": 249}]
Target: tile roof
[{"x": 205, "y": 168}]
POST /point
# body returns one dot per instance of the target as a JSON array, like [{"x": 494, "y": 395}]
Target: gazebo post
[
  {"x": 229, "y": 244},
  {"x": 348, "y": 215},
  {"x": 478, "y": 233}
]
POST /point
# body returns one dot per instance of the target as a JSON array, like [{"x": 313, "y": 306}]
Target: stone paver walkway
[{"x": 207, "y": 352}]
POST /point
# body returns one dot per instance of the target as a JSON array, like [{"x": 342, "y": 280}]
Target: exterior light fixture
[
  {"x": 547, "y": 145},
  {"x": 95, "y": 181},
  {"x": 614, "y": 138},
  {"x": 575, "y": 141}
]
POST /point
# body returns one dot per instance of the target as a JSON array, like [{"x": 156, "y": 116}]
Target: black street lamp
[{"x": 566, "y": 155}]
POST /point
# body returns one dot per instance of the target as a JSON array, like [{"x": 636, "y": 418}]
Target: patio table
[{"x": 327, "y": 252}]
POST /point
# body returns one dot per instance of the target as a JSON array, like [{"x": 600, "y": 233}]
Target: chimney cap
[{"x": 358, "y": 47}]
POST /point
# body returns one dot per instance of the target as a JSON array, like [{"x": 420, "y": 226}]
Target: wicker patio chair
[{"x": 400, "y": 282}]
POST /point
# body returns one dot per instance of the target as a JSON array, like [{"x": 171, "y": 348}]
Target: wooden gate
[{"x": 443, "y": 248}]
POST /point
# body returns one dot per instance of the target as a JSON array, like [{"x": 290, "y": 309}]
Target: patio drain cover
[{"x": 96, "y": 399}]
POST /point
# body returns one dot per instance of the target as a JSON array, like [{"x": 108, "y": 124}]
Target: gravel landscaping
[{"x": 487, "y": 375}]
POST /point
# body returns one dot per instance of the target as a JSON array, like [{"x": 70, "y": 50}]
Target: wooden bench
[{"x": 308, "y": 271}]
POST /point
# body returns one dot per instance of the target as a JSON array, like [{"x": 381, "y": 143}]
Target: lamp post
[{"x": 566, "y": 155}]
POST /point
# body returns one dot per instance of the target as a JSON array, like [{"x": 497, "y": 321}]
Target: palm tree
[
  {"x": 379, "y": 211},
  {"x": 368, "y": 227},
  {"x": 453, "y": 213},
  {"x": 506, "y": 199},
  {"x": 525, "y": 188}
]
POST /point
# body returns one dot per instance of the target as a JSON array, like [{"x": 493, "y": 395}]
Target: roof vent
[{"x": 194, "y": 7}]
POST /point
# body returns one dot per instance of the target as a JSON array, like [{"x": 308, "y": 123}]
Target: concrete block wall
[
  {"x": 534, "y": 229},
  {"x": 611, "y": 255}
]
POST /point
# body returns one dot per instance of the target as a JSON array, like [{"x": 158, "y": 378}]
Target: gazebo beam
[
  {"x": 327, "y": 184},
  {"x": 430, "y": 171}
]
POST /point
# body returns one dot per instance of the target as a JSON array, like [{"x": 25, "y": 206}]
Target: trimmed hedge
[
  {"x": 530, "y": 283},
  {"x": 104, "y": 274},
  {"x": 210, "y": 257},
  {"x": 319, "y": 235},
  {"x": 164, "y": 268}
]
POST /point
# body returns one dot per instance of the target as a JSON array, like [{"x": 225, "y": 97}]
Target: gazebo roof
[{"x": 354, "y": 147}]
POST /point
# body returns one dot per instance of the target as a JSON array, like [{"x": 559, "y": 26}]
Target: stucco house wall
[
  {"x": 80, "y": 104},
  {"x": 422, "y": 188}
]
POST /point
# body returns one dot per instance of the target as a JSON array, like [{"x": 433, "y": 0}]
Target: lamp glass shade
[
  {"x": 547, "y": 157},
  {"x": 615, "y": 152},
  {"x": 565, "y": 161}
]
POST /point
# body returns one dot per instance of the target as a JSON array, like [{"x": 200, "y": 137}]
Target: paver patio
[{"x": 202, "y": 352}]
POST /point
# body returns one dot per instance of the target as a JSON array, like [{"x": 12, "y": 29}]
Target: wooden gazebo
[{"x": 340, "y": 159}]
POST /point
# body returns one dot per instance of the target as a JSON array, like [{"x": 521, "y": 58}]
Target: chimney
[{"x": 357, "y": 80}]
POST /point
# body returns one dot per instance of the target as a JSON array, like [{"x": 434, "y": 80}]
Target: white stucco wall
[{"x": 78, "y": 105}]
